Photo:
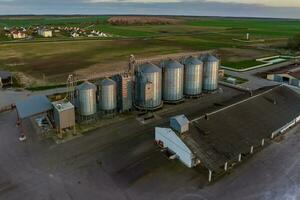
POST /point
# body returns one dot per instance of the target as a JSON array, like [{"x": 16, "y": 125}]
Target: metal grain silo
[
  {"x": 173, "y": 75},
  {"x": 148, "y": 86},
  {"x": 193, "y": 76},
  {"x": 210, "y": 73},
  {"x": 108, "y": 95},
  {"x": 86, "y": 99}
]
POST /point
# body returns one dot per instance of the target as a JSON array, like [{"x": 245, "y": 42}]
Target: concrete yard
[{"x": 120, "y": 161}]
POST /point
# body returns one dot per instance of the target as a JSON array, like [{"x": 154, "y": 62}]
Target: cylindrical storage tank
[
  {"x": 173, "y": 75},
  {"x": 193, "y": 76},
  {"x": 86, "y": 99},
  {"x": 108, "y": 95},
  {"x": 210, "y": 73},
  {"x": 148, "y": 88}
]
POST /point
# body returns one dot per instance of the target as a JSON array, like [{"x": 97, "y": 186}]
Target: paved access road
[{"x": 256, "y": 82}]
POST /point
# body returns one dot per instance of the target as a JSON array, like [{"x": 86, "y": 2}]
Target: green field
[
  {"x": 244, "y": 64},
  {"x": 50, "y": 60}
]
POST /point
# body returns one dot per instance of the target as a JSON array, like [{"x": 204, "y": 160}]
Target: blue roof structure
[{"x": 33, "y": 105}]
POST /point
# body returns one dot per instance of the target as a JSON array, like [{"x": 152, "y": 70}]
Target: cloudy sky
[{"x": 236, "y": 8}]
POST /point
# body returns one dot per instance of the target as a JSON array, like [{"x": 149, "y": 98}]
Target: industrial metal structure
[
  {"x": 124, "y": 91},
  {"x": 144, "y": 85},
  {"x": 86, "y": 99},
  {"x": 210, "y": 72},
  {"x": 64, "y": 116},
  {"x": 71, "y": 84},
  {"x": 193, "y": 76},
  {"x": 173, "y": 74},
  {"x": 108, "y": 95},
  {"x": 148, "y": 86}
]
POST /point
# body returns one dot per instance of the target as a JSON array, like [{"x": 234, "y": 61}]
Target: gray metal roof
[
  {"x": 210, "y": 58},
  {"x": 32, "y": 106},
  {"x": 192, "y": 61},
  {"x": 107, "y": 81},
  {"x": 171, "y": 64},
  {"x": 149, "y": 68},
  {"x": 230, "y": 132},
  {"x": 86, "y": 86},
  {"x": 180, "y": 119},
  {"x": 5, "y": 74},
  {"x": 203, "y": 57}
]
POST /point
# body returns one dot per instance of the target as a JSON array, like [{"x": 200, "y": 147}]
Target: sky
[{"x": 234, "y": 8}]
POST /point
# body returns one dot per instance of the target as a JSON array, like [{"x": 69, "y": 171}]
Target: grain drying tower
[{"x": 124, "y": 91}]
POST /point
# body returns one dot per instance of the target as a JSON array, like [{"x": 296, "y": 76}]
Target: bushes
[{"x": 294, "y": 43}]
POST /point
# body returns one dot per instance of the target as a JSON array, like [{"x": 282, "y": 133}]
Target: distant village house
[
  {"x": 45, "y": 32},
  {"x": 16, "y": 34}
]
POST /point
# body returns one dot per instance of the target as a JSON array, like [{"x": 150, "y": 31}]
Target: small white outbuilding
[{"x": 179, "y": 123}]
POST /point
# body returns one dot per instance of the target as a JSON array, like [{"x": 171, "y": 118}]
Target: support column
[
  {"x": 240, "y": 157},
  {"x": 273, "y": 135},
  {"x": 22, "y": 134},
  {"x": 209, "y": 175},
  {"x": 226, "y": 166},
  {"x": 263, "y": 142}
]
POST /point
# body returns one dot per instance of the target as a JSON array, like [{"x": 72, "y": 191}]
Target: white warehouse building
[{"x": 171, "y": 140}]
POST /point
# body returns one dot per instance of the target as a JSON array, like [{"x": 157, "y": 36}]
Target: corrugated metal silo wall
[
  {"x": 173, "y": 83},
  {"x": 210, "y": 75},
  {"x": 87, "y": 102},
  {"x": 142, "y": 83},
  {"x": 193, "y": 79},
  {"x": 108, "y": 99}
]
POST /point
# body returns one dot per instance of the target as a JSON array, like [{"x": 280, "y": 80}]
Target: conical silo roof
[
  {"x": 192, "y": 61},
  {"x": 149, "y": 68},
  {"x": 86, "y": 85},
  {"x": 107, "y": 81},
  {"x": 172, "y": 64}
]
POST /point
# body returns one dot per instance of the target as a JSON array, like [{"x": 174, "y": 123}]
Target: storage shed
[
  {"x": 287, "y": 76},
  {"x": 32, "y": 106},
  {"x": 179, "y": 123}
]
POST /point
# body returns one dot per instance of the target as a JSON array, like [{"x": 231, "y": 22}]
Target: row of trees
[{"x": 294, "y": 43}]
